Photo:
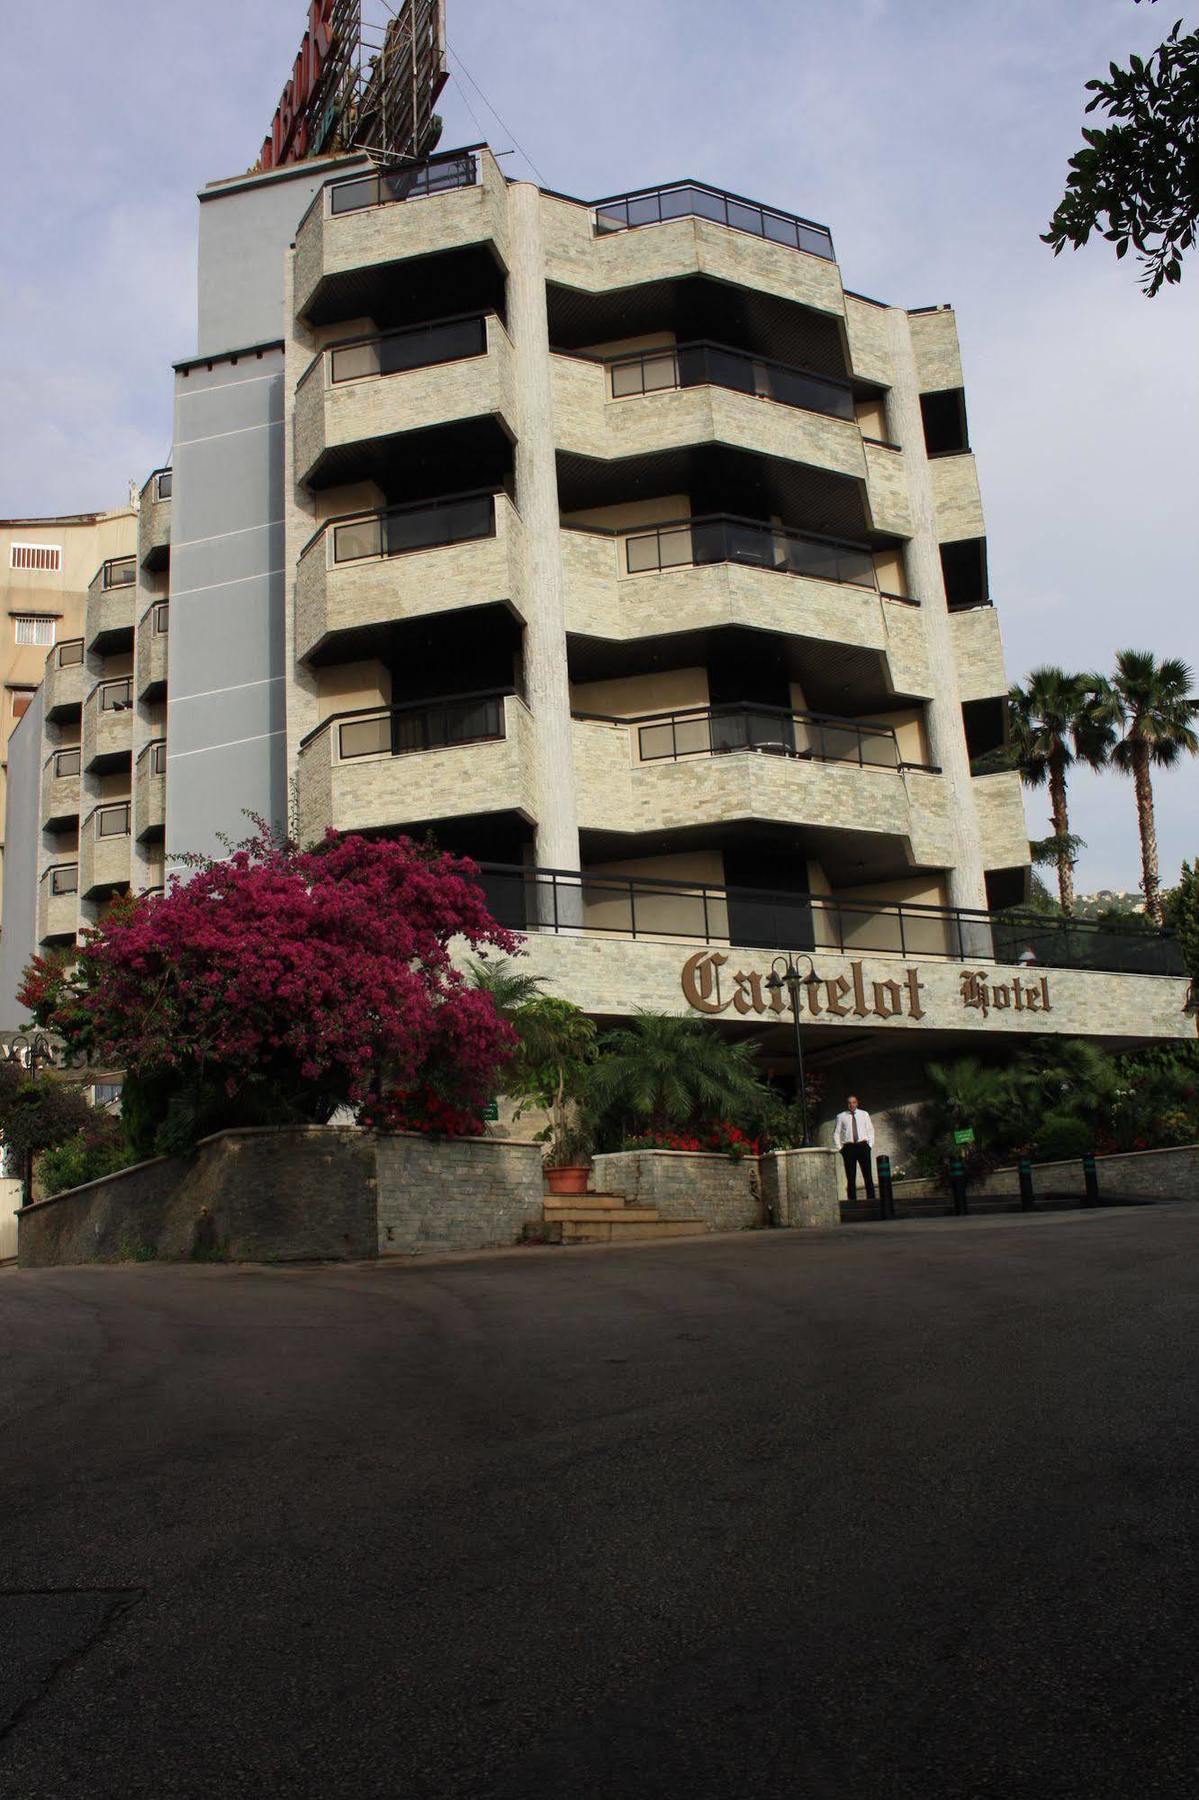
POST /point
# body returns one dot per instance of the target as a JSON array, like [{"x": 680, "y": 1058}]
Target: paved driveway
[{"x": 903, "y": 1510}]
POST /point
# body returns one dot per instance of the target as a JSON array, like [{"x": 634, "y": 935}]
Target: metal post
[
  {"x": 1090, "y": 1177},
  {"x": 957, "y": 1185},
  {"x": 886, "y": 1193},
  {"x": 1027, "y": 1198}
]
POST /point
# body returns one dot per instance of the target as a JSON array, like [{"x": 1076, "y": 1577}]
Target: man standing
[{"x": 853, "y": 1135}]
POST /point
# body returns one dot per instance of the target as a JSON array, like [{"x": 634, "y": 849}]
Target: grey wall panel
[
  {"x": 22, "y": 856},
  {"x": 226, "y": 745},
  {"x": 245, "y": 231}
]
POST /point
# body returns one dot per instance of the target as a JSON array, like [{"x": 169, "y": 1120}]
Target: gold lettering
[
  {"x": 915, "y": 985},
  {"x": 974, "y": 991},
  {"x": 860, "y": 1007},
  {"x": 1001, "y": 996},
  {"x": 1045, "y": 994},
  {"x": 1018, "y": 996},
  {"x": 888, "y": 999},
  {"x": 813, "y": 987},
  {"x": 835, "y": 991},
  {"x": 701, "y": 982},
  {"x": 748, "y": 997},
  {"x": 1032, "y": 999}
]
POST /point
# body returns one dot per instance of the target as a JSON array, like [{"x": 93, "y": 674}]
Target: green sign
[
  {"x": 965, "y": 1136},
  {"x": 491, "y": 1113}
]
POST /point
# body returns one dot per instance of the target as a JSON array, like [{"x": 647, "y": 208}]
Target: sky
[{"x": 931, "y": 135}]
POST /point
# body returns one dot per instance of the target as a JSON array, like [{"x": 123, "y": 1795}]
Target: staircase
[{"x": 604, "y": 1219}]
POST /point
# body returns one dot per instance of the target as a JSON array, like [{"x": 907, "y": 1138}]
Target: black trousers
[{"x": 855, "y": 1157}]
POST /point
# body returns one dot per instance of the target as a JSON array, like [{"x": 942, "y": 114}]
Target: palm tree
[
  {"x": 1057, "y": 720},
  {"x": 1150, "y": 705},
  {"x": 662, "y": 1071},
  {"x": 510, "y": 988}
]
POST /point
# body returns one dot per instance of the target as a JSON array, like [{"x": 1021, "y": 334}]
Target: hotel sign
[{"x": 711, "y": 987}]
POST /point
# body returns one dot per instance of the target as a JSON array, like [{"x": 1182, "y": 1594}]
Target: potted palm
[{"x": 556, "y": 1045}]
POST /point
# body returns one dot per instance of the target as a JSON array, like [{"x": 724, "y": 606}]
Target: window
[
  {"x": 65, "y": 879},
  {"x": 162, "y": 485},
  {"x": 46, "y": 559},
  {"x": 944, "y": 415},
  {"x": 30, "y": 629},
  {"x": 162, "y": 616},
  {"x": 66, "y": 762},
  {"x": 158, "y": 758},
  {"x": 21, "y": 698},
  {"x": 106, "y": 1093},
  {"x": 964, "y": 566},
  {"x": 116, "y": 696},
  {"x": 70, "y": 654},
  {"x": 112, "y": 821}
]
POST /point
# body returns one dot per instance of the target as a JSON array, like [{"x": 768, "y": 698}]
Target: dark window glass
[
  {"x": 964, "y": 566},
  {"x": 65, "y": 880},
  {"x": 945, "y": 421},
  {"x": 70, "y": 655}
]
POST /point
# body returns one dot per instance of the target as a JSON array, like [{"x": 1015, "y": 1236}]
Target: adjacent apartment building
[{"x": 617, "y": 545}]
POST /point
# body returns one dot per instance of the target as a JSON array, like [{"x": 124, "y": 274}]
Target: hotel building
[{"x": 617, "y": 545}]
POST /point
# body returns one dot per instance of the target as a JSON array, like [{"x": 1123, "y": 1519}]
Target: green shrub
[
  {"x": 1061, "y": 1137},
  {"x": 80, "y": 1159}
]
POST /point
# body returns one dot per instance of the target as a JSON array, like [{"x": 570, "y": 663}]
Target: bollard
[
  {"x": 957, "y": 1184},
  {"x": 1090, "y": 1178},
  {"x": 1027, "y": 1202},
  {"x": 886, "y": 1193}
]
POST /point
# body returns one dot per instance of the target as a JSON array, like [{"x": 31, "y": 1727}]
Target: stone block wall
[
  {"x": 1136, "y": 1174},
  {"x": 683, "y": 1184},
  {"x": 455, "y": 1194},
  {"x": 802, "y": 1187}
]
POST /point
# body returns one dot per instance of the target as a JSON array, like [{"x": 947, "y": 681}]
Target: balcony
[
  {"x": 368, "y": 223},
  {"x": 108, "y": 618},
  {"x": 104, "y": 850},
  {"x": 153, "y": 630},
  {"x": 692, "y": 200},
  {"x": 154, "y": 522},
  {"x": 66, "y": 680},
  {"x": 58, "y": 903},
  {"x": 60, "y": 789},
  {"x": 150, "y": 790},
  {"x": 999, "y": 802},
  {"x": 574, "y": 904},
  {"x": 711, "y": 768},
  {"x": 672, "y": 399},
  {"x": 410, "y": 765},
  {"x": 108, "y": 725},
  {"x": 355, "y": 396},
  {"x": 407, "y": 563}
]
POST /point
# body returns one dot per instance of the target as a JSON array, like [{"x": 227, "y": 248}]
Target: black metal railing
[
  {"x": 422, "y": 725},
  {"x": 577, "y": 903},
  {"x": 398, "y": 352},
  {"x": 416, "y": 182},
  {"x": 704, "y": 364},
  {"x": 767, "y": 730},
  {"x": 116, "y": 696},
  {"x": 66, "y": 763},
  {"x": 118, "y": 572},
  {"x": 694, "y": 200},
  {"x": 426, "y": 525},
  {"x": 69, "y": 654},
  {"x": 63, "y": 878},
  {"x": 724, "y": 538}
]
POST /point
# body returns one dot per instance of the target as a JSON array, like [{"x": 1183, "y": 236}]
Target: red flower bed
[
  {"x": 420, "y": 1111},
  {"x": 719, "y": 1139}
]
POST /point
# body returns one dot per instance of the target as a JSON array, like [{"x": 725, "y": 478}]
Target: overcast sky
[{"x": 931, "y": 135}]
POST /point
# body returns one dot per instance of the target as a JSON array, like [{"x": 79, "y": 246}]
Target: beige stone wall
[
  {"x": 65, "y": 687},
  {"x": 670, "y": 690},
  {"x": 869, "y": 340},
  {"x": 589, "y": 423},
  {"x": 454, "y": 1194},
  {"x": 368, "y": 792},
  {"x": 149, "y": 795},
  {"x": 680, "y": 1184},
  {"x": 376, "y": 590},
  {"x": 60, "y": 793},
  {"x": 57, "y": 914},
  {"x": 407, "y": 229},
  {"x": 957, "y": 502},
  {"x": 103, "y": 861},
  {"x": 1000, "y": 802},
  {"x": 576, "y": 257},
  {"x": 352, "y": 687},
  {"x": 664, "y": 509},
  {"x": 887, "y": 489},
  {"x": 978, "y": 653},
  {"x": 105, "y": 733},
  {"x": 935, "y": 345},
  {"x": 379, "y": 406},
  {"x": 151, "y": 652}
]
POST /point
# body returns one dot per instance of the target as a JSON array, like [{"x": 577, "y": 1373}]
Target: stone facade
[
  {"x": 457, "y": 1194},
  {"x": 957, "y": 502},
  {"x": 802, "y": 1188},
  {"x": 725, "y": 1194},
  {"x": 1134, "y": 1175},
  {"x": 978, "y": 653}
]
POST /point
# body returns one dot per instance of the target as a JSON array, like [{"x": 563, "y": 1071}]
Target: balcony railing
[
  {"x": 427, "y": 525},
  {"x": 415, "y": 182},
  {"x": 766, "y": 730},
  {"x": 692, "y": 200},
  {"x": 118, "y": 572},
  {"x": 398, "y": 352},
  {"x": 723, "y": 538},
  {"x": 703, "y": 364},
  {"x": 575, "y": 903},
  {"x": 424, "y": 725}
]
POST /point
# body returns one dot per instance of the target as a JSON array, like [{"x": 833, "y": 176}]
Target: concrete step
[
  {"x": 621, "y": 1230},
  {"x": 555, "y": 1202},
  {"x": 579, "y": 1212}
]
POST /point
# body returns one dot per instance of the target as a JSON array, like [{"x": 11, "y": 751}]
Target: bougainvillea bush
[{"x": 281, "y": 983}]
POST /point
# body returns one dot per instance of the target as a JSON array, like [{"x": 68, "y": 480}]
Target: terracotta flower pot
[{"x": 572, "y": 1179}]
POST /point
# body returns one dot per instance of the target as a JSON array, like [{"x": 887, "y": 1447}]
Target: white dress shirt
[{"x": 843, "y": 1129}]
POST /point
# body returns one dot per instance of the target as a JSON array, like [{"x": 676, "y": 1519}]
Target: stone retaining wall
[
  {"x": 685, "y": 1184},
  {"x": 803, "y": 1187},
  {"x": 1140, "y": 1174},
  {"x": 317, "y": 1193}
]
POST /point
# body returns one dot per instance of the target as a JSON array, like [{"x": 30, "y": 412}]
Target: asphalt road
[{"x": 902, "y": 1510}]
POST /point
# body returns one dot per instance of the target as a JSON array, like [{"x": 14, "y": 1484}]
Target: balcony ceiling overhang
[
  {"x": 699, "y": 307},
  {"x": 420, "y": 465},
  {"x": 849, "y": 858},
  {"x": 721, "y": 479},
  {"x": 413, "y": 290}
]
